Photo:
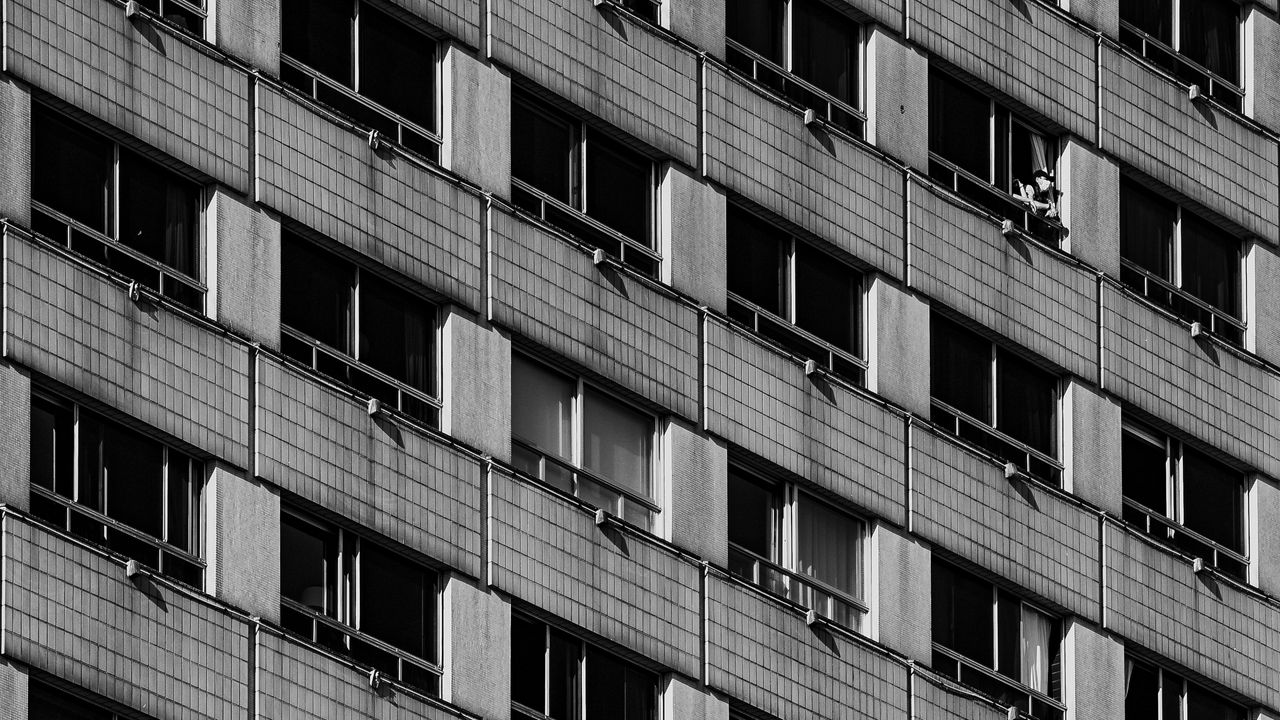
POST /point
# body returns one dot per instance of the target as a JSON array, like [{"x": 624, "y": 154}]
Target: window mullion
[
  {"x": 75, "y": 454},
  {"x": 165, "y": 492},
  {"x": 353, "y": 339},
  {"x": 581, "y": 698},
  {"x": 1177, "y": 26},
  {"x": 791, "y": 280},
  {"x": 546, "y": 669},
  {"x": 995, "y": 625},
  {"x": 353, "y": 606},
  {"x": 580, "y": 201},
  {"x": 1176, "y": 506},
  {"x": 355, "y": 45},
  {"x": 991, "y": 136},
  {"x": 788, "y": 60},
  {"x": 113, "y": 202},
  {"x": 995, "y": 382},
  {"x": 1176, "y": 258}
]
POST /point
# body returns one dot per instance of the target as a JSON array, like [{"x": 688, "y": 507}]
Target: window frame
[
  {"x": 785, "y": 498},
  {"x": 574, "y": 467},
  {"x": 1184, "y": 684},
  {"x": 323, "y": 353},
  {"x": 348, "y": 604},
  {"x": 1152, "y": 50},
  {"x": 71, "y": 230},
  {"x": 780, "y": 80},
  {"x": 526, "y": 196},
  {"x": 1166, "y": 527},
  {"x": 194, "y": 8},
  {"x": 782, "y": 329},
  {"x": 409, "y": 135},
  {"x": 74, "y": 505}
]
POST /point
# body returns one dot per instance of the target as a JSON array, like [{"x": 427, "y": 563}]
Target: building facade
[{"x": 640, "y": 359}]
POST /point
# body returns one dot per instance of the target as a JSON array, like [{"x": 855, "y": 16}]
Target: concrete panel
[
  {"x": 844, "y": 441},
  {"x": 902, "y": 611},
  {"x": 249, "y": 30},
  {"x": 701, "y": 22},
  {"x": 1101, "y": 14},
  {"x": 477, "y": 120},
  {"x": 1093, "y": 673},
  {"x": 477, "y": 372},
  {"x": 1262, "y": 65},
  {"x": 1090, "y": 182},
  {"x": 693, "y": 236},
  {"x": 1264, "y": 529},
  {"x": 1262, "y": 300},
  {"x": 15, "y": 436},
  {"x": 685, "y": 700},
  {"x": 15, "y": 148},
  {"x": 477, "y": 655},
  {"x": 898, "y": 357},
  {"x": 244, "y": 269},
  {"x": 1091, "y": 452},
  {"x": 242, "y": 542},
  {"x": 898, "y": 99},
  {"x": 14, "y": 687},
  {"x": 696, "y": 511}
]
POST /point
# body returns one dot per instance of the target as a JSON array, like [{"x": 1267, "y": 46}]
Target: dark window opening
[
  {"x": 188, "y": 15},
  {"x": 1205, "y": 51},
  {"x": 47, "y": 703},
  {"x": 1152, "y": 692}
]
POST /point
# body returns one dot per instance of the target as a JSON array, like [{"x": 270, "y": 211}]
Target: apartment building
[{"x": 640, "y": 359}]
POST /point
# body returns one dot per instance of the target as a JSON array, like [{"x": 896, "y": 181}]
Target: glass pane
[
  {"x": 397, "y": 333},
  {"x": 318, "y": 33},
  {"x": 1154, "y": 17},
  {"x": 1210, "y": 264},
  {"x": 1144, "y": 472},
  {"x": 543, "y": 150},
  {"x": 827, "y": 298},
  {"x": 1212, "y": 499},
  {"x": 133, "y": 468},
  {"x": 1210, "y": 35},
  {"x": 397, "y": 66},
  {"x": 1142, "y": 691},
  {"x": 48, "y": 704},
  {"x": 397, "y": 601},
  {"x": 542, "y": 407},
  {"x": 829, "y": 545},
  {"x": 181, "y": 507},
  {"x": 824, "y": 49},
  {"x": 1203, "y": 705},
  {"x": 753, "y": 515},
  {"x": 757, "y": 24},
  {"x": 617, "y": 442},
  {"x": 597, "y": 495},
  {"x": 642, "y": 694},
  {"x": 1146, "y": 229},
  {"x": 528, "y": 662},
  {"x": 71, "y": 169},
  {"x": 959, "y": 124},
  {"x": 962, "y": 613},
  {"x": 52, "y": 445},
  {"x": 960, "y": 368},
  {"x": 1037, "y": 649},
  {"x": 157, "y": 213},
  {"x": 308, "y": 564},
  {"x": 619, "y": 182},
  {"x": 1027, "y": 397},
  {"x": 757, "y": 260},
  {"x": 89, "y": 478},
  {"x": 563, "y": 670},
  {"x": 606, "y": 685},
  {"x": 1008, "y": 635},
  {"x": 316, "y": 289}
]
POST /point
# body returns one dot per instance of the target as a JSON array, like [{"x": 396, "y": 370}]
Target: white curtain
[
  {"x": 1039, "y": 152},
  {"x": 828, "y": 545},
  {"x": 541, "y": 404},
  {"x": 1037, "y": 631}
]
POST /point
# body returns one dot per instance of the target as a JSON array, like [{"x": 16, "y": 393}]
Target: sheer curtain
[
  {"x": 179, "y": 233},
  {"x": 1037, "y": 632},
  {"x": 828, "y": 545},
  {"x": 541, "y": 407},
  {"x": 616, "y": 442}
]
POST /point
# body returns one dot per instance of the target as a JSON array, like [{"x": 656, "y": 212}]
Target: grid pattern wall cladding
[
  {"x": 1151, "y": 360},
  {"x": 825, "y": 184},
  {"x": 71, "y": 612},
  {"x": 74, "y": 325},
  {"x": 607, "y": 64},
  {"x": 1193, "y": 148},
  {"x": 459, "y": 18},
  {"x": 381, "y": 205},
  {"x": 548, "y": 551},
  {"x": 321, "y": 444},
  {"x": 760, "y": 650},
  {"x": 1022, "y": 291},
  {"x": 761, "y": 400},
  {"x": 1022, "y": 531},
  {"x": 552, "y": 293},
  {"x": 1024, "y": 50},
  {"x": 161, "y": 89},
  {"x": 1155, "y": 597},
  {"x": 938, "y": 699}
]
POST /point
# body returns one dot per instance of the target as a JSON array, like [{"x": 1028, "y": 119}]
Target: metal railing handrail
[
  {"x": 997, "y": 434},
  {"x": 842, "y": 595},
  {"x": 758, "y": 59},
  {"x": 319, "y": 618},
  {"x": 1148, "y": 276},
  {"x": 1174, "y": 525},
  {"x": 998, "y": 677},
  {"x": 1148, "y": 38},
  {"x": 118, "y": 526},
  {"x": 1003, "y": 195},
  {"x": 320, "y": 347},
  {"x": 574, "y": 470},
  {"x": 545, "y": 199},
  {"x": 791, "y": 327}
]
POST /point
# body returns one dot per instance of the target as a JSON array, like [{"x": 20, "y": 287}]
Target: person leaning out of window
[{"x": 1042, "y": 196}]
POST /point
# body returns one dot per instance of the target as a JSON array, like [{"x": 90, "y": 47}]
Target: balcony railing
[
  {"x": 360, "y": 109},
  {"x": 585, "y": 228},
  {"x": 1182, "y": 303},
  {"x": 1007, "y": 691},
  {"x": 797, "y": 340},
  {"x": 364, "y": 649},
  {"x": 1003, "y": 205},
  {"x": 589, "y": 488},
  {"x": 1215, "y": 554},
  {"x": 966, "y": 427},
  {"x": 336, "y": 364},
  {"x": 190, "y": 15},
  {"x": 79, "y": 238},
  {"x": 1229, "y": 94},
  {"x": 829, "y": 602},
  {"x": 828, "y": 108}
]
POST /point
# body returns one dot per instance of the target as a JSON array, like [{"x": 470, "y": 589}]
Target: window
[
  {"x": 573, "y": 436},
  {"x": 1178, "y": 260},
  {"x": 584, "y": 182},
  {"x": 993, "y": 398},
  {"x": 556, "y": 676},
  {"x": 1153, "y": 693},
  {"x": 357, "y": 58},
  {"x": 1184, "y": 497},
  {"x": 991, "y": 157},
  {"x": 1198, "y": 41},
  {"x": 43, "y": 701},
  {"x": 114, "y": 206},
  {"x": 115, "y": 486},
  {"x": 784, "y": 288},
  {"x": 358, "y": 598},
  {"x": 803, "y": 49},
  {"x": 350, "y": 324},
  {"x": 186, "y": 14},
  {"x": 994, "y": 641},
  {"x": 790, "y": 543}
]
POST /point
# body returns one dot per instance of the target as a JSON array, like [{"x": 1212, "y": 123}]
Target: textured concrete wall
[
  {"x": 1262, "y": 294},
  {"x": 898, "y": 99},
  {"x": 1091, "y": 447},
  {"x": 477, "y": 120},
  {"x": 15, "y": 148},
  {"x": 477, "y": 373},
  {"x": 1093, "y": 674},
  {"x": 685, "y": 700},
  {"x": 701, "y": 22},
  {"x": 1090, "y": 183},
  {"x": 903, "y": 618},
  {"x": 242, "y": 542},
  {"x": 243, "y": 261},
  {"x": 15, "y": 435},
  {"x": 693, "y": 236},
  {"x": 1264, "y": 531},
  {"x": 898, "y": 343},
  {"x": 1262, "y": 65},
  {"x": 696, "y": 508},
  {"x": 13, "y": 691},
  {"x": 249, "y": 30},
  {"x": 477, "y": 649}
]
